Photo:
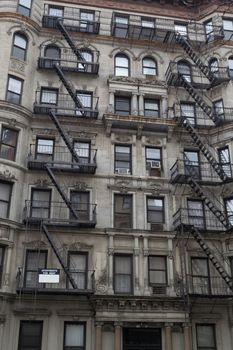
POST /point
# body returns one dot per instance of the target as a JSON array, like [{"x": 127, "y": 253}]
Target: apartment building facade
[{"x": 116, "y": 194}]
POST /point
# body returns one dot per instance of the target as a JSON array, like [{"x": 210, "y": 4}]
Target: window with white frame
[
  {"x": 157, "y": 266},
  {"x": 122, "y": 65},
  {"x": 155, "y": 210},
  {"x": 19, "y": 47},
  {"x": 49, "y": 96},
  {"x": 149, "y": 66},
  {"x": 77, "y": 262}
]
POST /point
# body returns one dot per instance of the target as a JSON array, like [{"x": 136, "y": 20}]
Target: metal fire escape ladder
[
  {"x": 64, "y": 135},
  {"x": 59, "y": 257},
  {"x": 199, "y": 100},
  {"x": 198, "y": 237},
  {"x": 186, "y": 45},
  {"x": 60, "y": 190},
  {"x": 209, "y": 156}
]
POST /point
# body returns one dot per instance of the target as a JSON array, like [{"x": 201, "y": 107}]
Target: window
[
  {"x": 85, "y": 99},
  {"x": 24, "y": 7},
  {"x": 49, "y": 96},
  {"x": 5, "y": 199},
  {"x": 35, "y": 260},
  {"x": 225, "y": 160},
  {"x": 87, "y": 21},
  {"x": 122, "y": 105},
  {"x": 52, "y": 54},
  {"x": 87, "y": 57},
  {"x": 209, "y": 30},
  {"x": 122, "y": 159},
  {"x": 56, "y": 11},
  {"x": 8, "y": 143},
  {"x": 192, "y": 164},
  {"x": 219, "y": 109},
  {"x": 230, "y": 63},
  {"x": 147, "y": 28},
  {"x": 14, "y": 89},
  {"x": 121, "y": 26},
  {"x": 123, "y": 271},
  {"x": 30, "y": 335},
  {"x": 121, "y": 65},
  {"x": 123, "y": 211},
  {"x": 142, "y": 338},
  {"x": 188, "y": 111},
  {"x": 44, "y": 149},
  {"x": 81, "y": 204},
  {"x": 149, "y": 66},
  {"x": 155, "y": 210},
  {"x": 213, "y": 66},
  {"x": 157, "y": 270},
  {"x": 153, "y": 159},
  {"x": 151, "y": 108},
  {"x": 229, "y": 209},
  {"x": 2, "y": 253},
  {"x": 77, "y": 263},
  {"x": 228, "y": 28},
  {"x": 83, "y": 150},
  {"x": 196, "y": 214},
  {"x": 206, "y": 338},
  {"x": 231, "y": 265},
  {"x": 40, "y": 203},
  {"x": 74, "y": 336},
  {"x": 19, "y": 48},
  {"x": 200, "y": 275},
  {"x": 182, "y": 29},
  {"x": 184, "y": 69}
]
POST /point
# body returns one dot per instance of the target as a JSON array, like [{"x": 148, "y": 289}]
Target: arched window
[
  {"x": 19, "y": 48},
  {"x": 87, "y": 57},
  {"x": 121, "y": 65},
  {"x": 230, "y": 63},
  {"x": 149, "y": 66},
  {"x": 52, "y": 51},
  {"x": 213, "y": 66},
  {"x": 184, "y": 69}
]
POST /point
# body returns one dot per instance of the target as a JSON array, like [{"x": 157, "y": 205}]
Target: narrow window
[
  {"x": 86, "y": 101},
  {"x": 188, "y": 111},
  {"x": 155, "y": 210},
  {"x": 8, "y": 143},
  {"x": 149, "y": 66},
  {"x": 157, "y": 270},
  {"x": 14, "y": 89},
  {"x": 230, "y": 63},
  {"x": 35, "y": 260},
  {"x": 228, "y": 28},
  {"x": 213, "y": 66},
  {"x": 24, "y": 7},
  {"x": 209, "y": 30},
  {"x": 44, "y": 149},
  {"x": 184, "y": 69},
  {"x": 123, "y": 211},
  {"x": 219, "y": 109},
  {"x": 83, "y": 150},
  {"x": 52, "y": 55},
  {"x": 81, "y": 204},
  {"x": 229, "y": 209},
  {"x": 40, "y": 203},
  {"x": 151, "y": 108},
  {"x": 5, "y": 199},
  {"x": 192, "y": 164},
  {"x": 87, "y": 19},
  {"x": 77, "y": 263},
  {"x": 74, "y": 336},
  {"x": 121, "y": 26},
  {"x": 30, "y": 335},
  {"x": 200, "y": 276},
  {"x": 122, "y": 105},
  {"x": 147, "y": 28},
  {"x": 19, "y": 48},
  {"x": 225, "y": 160},
  {"x": 154, "y": 160},
  {"x": 121, "y": 65},
  {"x": 122, "y": 159},
  {"x": 56, "y": 11},
  {"x": 182, "y": 29},
  {"x": 123, "y": 274},
  {"x": 196, "y": 214},
  {"x": 49, "y": 96},
  {"x": 2, "y": 253},
  {"x": 206, "y": 337}
]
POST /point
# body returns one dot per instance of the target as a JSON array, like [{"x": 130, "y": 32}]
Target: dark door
[{"x": 142, "y": 339}]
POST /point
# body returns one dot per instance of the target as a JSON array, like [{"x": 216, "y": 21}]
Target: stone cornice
[{"x": 16, "y": 17}]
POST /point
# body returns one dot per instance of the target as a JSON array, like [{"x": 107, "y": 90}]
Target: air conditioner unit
[
  {"x": 122, "y": 171},
  {"x": 159, "y": 290},
  {"x": 155, "y": 164}
]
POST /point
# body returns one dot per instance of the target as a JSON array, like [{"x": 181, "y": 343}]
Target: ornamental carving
[
  {"x": 44, "y": 183},
  {"x": 4, "y": 232},
  {"x": 78, "y": 246},
  {"x": 7, "y": 175},
  {"x": 123, "y": 138},
  {"x": 35, "y": 244},
  {"x": 80, "y": 186},
  {"x": 17, "y": 65}
]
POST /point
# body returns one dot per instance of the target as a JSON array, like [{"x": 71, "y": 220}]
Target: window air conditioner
[
  {"x": 155, "y": 164},
  {"x": 122, "y": 171}
]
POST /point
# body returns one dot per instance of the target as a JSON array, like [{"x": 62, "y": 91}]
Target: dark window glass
[
  {"x": 44, "y": 149},
  {"x": 185, "y": 70},
  {"x": 188, "y": 110},
  {"x": 155, "y": 210},
  {"x": 52, "y": 51},
  {"x": 74, "y": 336},
  {"x": 77, "y": 263},
  {"x": 81, "y": 203},
  {"x": 123, "y": 211},
  {"x": 122, "y": 159},
  {"x": 213, "y": 66},
  {"x": 121, "y": 26},
  {"x": 122, "y": 105},
  {"x": 151, "y": 108},
  {"x": 8, "y": 143},
  {"x": 19, "y": 48},
  {"x": 35, "y": 260},
  {"x": 49, "y": 96},
  {"x": 147, "y": 28},
  {"x": 5, "y": 198},
  {"x": 40, "y": 203},
  {"x": 14, "y": 89},
  {"x": 229, "y": 209},
  {"x": 149, "y": 66},
  {"x": 219, "y": 109},
  {"x": 30, "y": 335},
  {"x": 142, "y": 339},
  {"x": 196, "y": 213},
  {"x": 228, "y": 28},
  {"x": 225, "y": 160},
  {"x": 192, "y": 164},
  {"x": 206, "y": 338},
  {"x": 123, "y": 274},
  {"x": 121, "y": 65},
  {"x": 24, "y": 7},
  {"x": 157, "y": 270},
  {"x": 2, "y": 253},
  {"x": 200, "y": 275}
]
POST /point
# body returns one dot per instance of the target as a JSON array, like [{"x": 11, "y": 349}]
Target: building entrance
[{"x": 142, "y": 339}]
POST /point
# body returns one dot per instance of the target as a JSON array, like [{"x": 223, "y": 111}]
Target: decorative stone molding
[
  {"x": 37, "y": 244},
  {"x": 22, "y": 28},
  {"x": 17, "y": 66},
  {"x": 122, "y": 50},
  {"x": 152, "y": 54},
  {"x": 78, "y": 246},
  {"x": 7, "y": 175},
  {"x": 47, "y": 132},
  {"x": 80, "y": 186},
  {"x": 123, "y": 138},
  {"x": 44, "y": 183},
  {"x": 32, "y": 313}
]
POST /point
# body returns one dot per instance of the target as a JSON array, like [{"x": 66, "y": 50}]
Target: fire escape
[
  {"x": 188, "y": 175},
  {"x": 71, "y": 161}
]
